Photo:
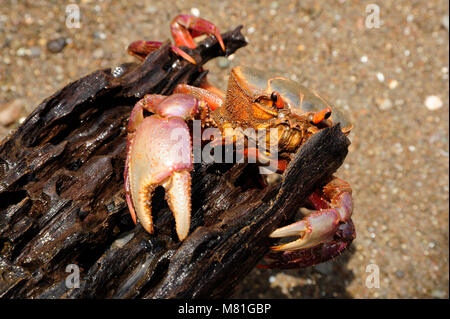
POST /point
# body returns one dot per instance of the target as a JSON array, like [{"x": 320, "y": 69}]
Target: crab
[{"x": 288, "y": 114}]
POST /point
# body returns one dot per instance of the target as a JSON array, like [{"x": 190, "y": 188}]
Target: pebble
[
  {"x": 445, "y": 22},
  {"x": 98, "y": 53},
  {"x": 364, "y": 59},
  {"x": 22, "y": 52},
  {"x": 223, "y": 62},
  {"x": 151, "y": 9},
  {"x": 35, "y": 51},
  {"x": 393, "y": 84},
  {"x": 56, "y": 45},
  {"x": 384, "y": 104},
  {"x": 438, "y": 294},
  {"x": 380, "y": 77},
  {"x": 10, "y": 112},
  {"x": 99, "y": 35},
  {"x": 195, "y": 12},
  {"x": 433, "y": 102}
]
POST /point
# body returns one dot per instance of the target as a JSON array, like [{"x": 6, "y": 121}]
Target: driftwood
[{"x": 62, "y": 198}]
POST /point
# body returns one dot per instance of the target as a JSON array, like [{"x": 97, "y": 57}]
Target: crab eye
[
  {"x": 318, "y": 117},
  {"x": 277, "y": 100}
]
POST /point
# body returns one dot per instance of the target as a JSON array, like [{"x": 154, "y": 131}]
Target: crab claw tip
[{"x": 179, "y": 200}]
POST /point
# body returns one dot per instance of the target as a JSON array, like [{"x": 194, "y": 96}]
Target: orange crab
[{"x": 285, "y": 111}]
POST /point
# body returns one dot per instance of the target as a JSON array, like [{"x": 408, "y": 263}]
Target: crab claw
[
  {"x": 160, "y": 154},
  {"x": 185, "y": 27},
  {"x": 323, "y": 233},
  {"x": 318, "y": 227},
  {"x": 312, "y": 230},
  {"x": 302, "y": 258}
]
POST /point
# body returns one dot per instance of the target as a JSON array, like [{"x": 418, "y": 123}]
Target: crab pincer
[
  {"x": 184, "y": 29},
  {"x": 321, "y": 235},
  {"x": 159, "y": 153}
]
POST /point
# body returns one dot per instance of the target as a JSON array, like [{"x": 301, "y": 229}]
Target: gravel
[
  {"x": 57, "y": 45},
  {"x": 393, "y": 79}
]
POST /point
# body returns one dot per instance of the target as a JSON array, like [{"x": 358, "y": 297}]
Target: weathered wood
[{"x": 62, "y": 199}]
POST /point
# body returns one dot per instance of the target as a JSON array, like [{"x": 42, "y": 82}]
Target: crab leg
[
  {"x": 184, "y": 29},
  {"x": 213, "y": 97},
  {"x": 140, "y": 49},
  {"x": 159, "y": 153},
  {"x": 321, "y": 225}
]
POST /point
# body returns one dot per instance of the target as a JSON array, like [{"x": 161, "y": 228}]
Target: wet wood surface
[{"x": 62, "y": 201}]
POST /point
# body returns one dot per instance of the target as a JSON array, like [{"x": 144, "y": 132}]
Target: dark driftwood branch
[{"x": 62, "y": 199}]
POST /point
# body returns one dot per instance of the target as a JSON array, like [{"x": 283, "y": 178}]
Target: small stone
[
  {"x": 393, "y": 84},
  {"x": 56, "y": 45},
  {"x": 195, "y": 12},
  {"x": 445, "y": 22},
  {"x": 433, "y": 102},
  {"x": 399, "y": 274},
  {"x": 380, "y": 77},
  {"x": 35, "y": 51},
  {"x": 99, "y": 35},
  {"x": 223, "y": 62},
  {"x": 98, "y": 53},
  {"x": 438, "y": 294},
  {"x": 274, "y": 5},
  {"x": 384, "y": 104},
  {"x": 11, "y": 112},
  {"x": 301, "y": 48},
  {"x": 22, "y": 52},
  {"x": 151, "y": 9},
  {"x": 364, "y": 59},
  {"x": 411, "y": 148}
]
